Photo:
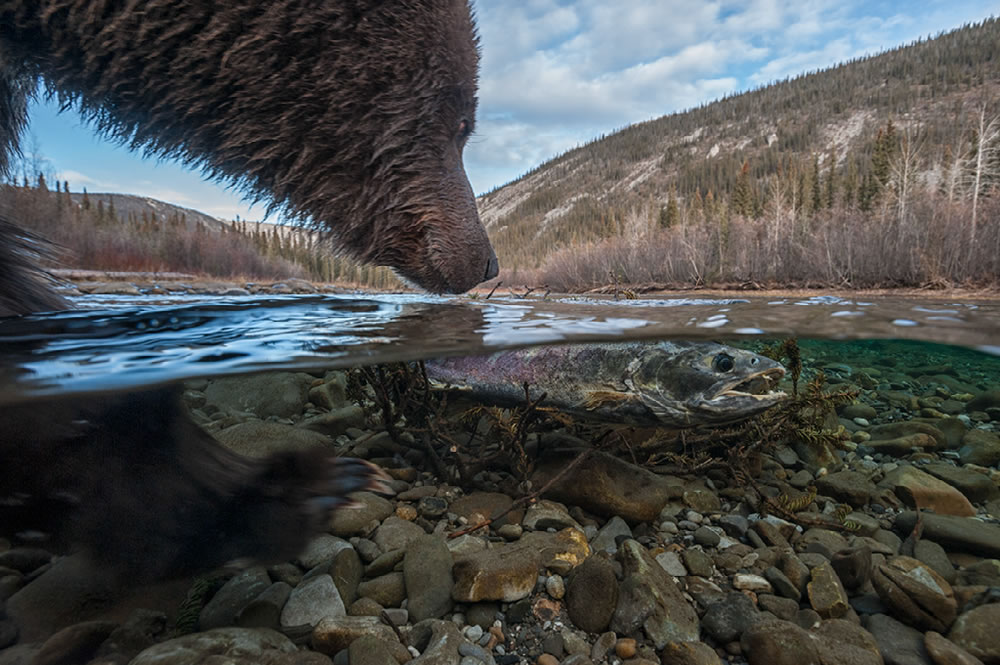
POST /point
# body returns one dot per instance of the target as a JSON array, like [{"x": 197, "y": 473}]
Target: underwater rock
[
  {"x": 917, "y": 489},
  {"x": 607, "y": 485},
  {"x": 976, "y": 632},
  {"x": 983, "y": 401},
  {"x": 915, "y": 593},
  {"x": 427, "y": 573},
  {"x": 277, "y": 394},
  {"x": 649, "y": 599},
  {"x": 396, "y": 534},
  {"x": 899, "y": 644},
  {"x": 933, "y": 555},
  {"x": 959, "y": 533},
  {"x": 334, "y": 634},
  {"x": 847, "y": 486},
  {"x": 826, "y": 593},
  {"x": 977, "y": 487},
  {"x": 259, "y": 439},
  {"x": 776, "y": 642},
  {"x": 387, "y": 590},
  {"x": 60, "y": 596},
  {"x": 264, "y": 611},
  {"x": 241, "y": 646},
  {"x": 234, "y": 595},
  {"x": 439, "y": 643},
  {"x": 726, "y": 620},
  {"x": 980, "y": 447},
  {"x": 902, "y": 445},
  {"x": 478, "y": 507},
  {"x": 908, "y": 428},
  {"x": 545, "y": 514},
  {"x": 945, "y": 652},
  {"x": 312, "y": 601},
  {"x": 322, "y": 549},
  {"x": 853, "y": 566},
  {"x": 690, "y": 653},
  {"x": 842, "y": 642},
  {"x": 607, "y": 537},
  {"x": 369, "y": 650},
  {"x": 509, "y": 572},
  {"x": 368, "y": 508},
  {"x": 336, "y": 422},
  {"x": 75, "y": 644}
]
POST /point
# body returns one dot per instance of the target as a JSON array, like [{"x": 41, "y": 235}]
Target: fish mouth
[{"x": 758, "y": 386}]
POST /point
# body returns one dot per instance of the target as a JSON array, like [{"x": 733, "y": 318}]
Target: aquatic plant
[
  {"x": 203, "y": 588},
  {"x": 787, "y": 352},
  {"x": 797, "y": 503}
]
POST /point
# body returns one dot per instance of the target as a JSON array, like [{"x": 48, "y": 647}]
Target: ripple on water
[{"x": 117, "y": 344}]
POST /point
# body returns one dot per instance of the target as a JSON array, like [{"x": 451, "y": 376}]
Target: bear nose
[{"x": 492, "y": 267}]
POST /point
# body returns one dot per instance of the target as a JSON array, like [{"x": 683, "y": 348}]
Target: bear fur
[
  {"x": 349, "y": 115},
  {"x": 149, "y": 494}
]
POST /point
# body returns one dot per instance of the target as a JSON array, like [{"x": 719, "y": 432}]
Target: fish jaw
[
  {"x": 695, "y": 388},
  {"x": 741, "y": 398}
]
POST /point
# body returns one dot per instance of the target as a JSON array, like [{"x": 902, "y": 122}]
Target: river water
[{"x": 120, "y": 343}]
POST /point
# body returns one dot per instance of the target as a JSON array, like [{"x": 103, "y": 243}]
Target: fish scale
[{"x": 666, "y": 383}]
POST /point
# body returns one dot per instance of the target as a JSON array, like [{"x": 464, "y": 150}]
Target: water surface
[{"x": 123, "y": 343}]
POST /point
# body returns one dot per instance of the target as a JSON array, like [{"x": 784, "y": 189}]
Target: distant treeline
[{"x": 92, "y": 235}]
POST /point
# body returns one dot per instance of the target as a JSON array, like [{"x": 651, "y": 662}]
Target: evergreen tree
[
  {"x": 886, "y": 144},
  {"x": 742, "y": 202},
  {"x": 816, "y": 201},
  {"x": 830, "y": 192},
  {"x": 670, "y": 214},
  {"x": 850, "y": 185}
]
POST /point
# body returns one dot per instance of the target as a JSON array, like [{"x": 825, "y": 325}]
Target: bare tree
[
  {"x": 903, "y": 170},
  {"x": 981, "y": 164},
  {"x": 778, "y": 213}
]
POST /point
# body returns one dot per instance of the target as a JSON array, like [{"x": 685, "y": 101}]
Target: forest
[{"x": 90, "y": 232}]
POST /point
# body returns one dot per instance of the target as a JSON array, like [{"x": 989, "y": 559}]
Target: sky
[{"x": 558, "y": 73}]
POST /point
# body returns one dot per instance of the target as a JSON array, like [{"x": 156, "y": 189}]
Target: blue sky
[{"x": 556, "y": 73}]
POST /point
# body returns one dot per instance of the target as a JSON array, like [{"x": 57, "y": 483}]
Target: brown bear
[
  {"x": 352, "y": 116},
  {"x": 349, "y": 115}
]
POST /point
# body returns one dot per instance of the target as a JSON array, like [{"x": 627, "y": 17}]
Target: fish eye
[{"x": 723, "y": 362}]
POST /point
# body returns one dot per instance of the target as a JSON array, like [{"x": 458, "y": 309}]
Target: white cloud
[{"x": 79, "y": 180}]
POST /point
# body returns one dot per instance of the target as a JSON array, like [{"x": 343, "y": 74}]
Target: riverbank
[{"x": 83, "y": 282}]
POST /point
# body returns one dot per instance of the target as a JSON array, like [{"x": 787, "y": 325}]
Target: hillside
[
  {"x": 128, "y": 206},
  {"x": 826, "y": 144}
]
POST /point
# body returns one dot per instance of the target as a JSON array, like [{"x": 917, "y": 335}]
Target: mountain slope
[
  {"x": 130, "y": 206},
  {"x": 626, "y": 183}
]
